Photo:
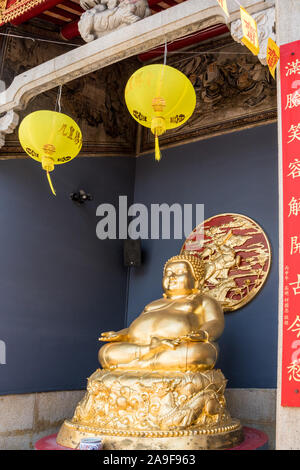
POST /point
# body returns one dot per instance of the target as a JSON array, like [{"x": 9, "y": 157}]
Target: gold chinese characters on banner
[{"x": 250, "y": 34}]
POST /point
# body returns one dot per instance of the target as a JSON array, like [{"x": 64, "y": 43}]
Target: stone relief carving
[
  {"x": 103, "y": 4},
  {"x": 233, "y": 91},
  {"x": 8, "y": 123},
  {"x": 95, "y": 101},
  {"x": 266, "y": 29},
  {"x": 104, "y": 16}
]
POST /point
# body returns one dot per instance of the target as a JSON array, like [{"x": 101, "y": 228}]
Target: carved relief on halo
[{"x": 237, "y": 257}]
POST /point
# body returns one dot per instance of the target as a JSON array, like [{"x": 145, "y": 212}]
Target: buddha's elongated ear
[{"x": 199, "y": 283}]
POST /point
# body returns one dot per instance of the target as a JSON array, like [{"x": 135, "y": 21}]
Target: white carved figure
[
  {"x": 8, "y": 122},
  {"x": 105, "y": 16},
  {"x": 88, "y": 4},
  {"x": 265, "y": 20}
]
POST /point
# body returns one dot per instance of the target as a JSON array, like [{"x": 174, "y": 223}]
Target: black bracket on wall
[{"x": 81, "y": 196}]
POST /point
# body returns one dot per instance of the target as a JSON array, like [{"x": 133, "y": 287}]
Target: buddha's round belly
[{"x": 161, "y": 325}]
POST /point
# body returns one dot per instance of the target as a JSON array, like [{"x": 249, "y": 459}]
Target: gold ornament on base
[{"x": 158, "y": 388}]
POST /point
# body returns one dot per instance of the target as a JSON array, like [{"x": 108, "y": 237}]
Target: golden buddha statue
[
  {"x": 158, "y": 387},
  {"x": 176, "y": 332}
]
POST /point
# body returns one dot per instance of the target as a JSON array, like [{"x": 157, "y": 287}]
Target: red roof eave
[{"x": 18, "y": 11}]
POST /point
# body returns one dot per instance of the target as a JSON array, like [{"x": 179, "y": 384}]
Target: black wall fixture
[
  {"x": 81, "y": 196},
  {"x": 132, "y": 253}
]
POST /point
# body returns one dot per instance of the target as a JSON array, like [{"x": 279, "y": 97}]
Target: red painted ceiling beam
[
  {"x": 66, "y": 14},
  {"x": 156, "y": 8},
  {"x": 70, "y": 31},
  {"x": 48, "y": 4},
  {"x": 52, "y": 19},
  {"x": 74, "y": 6},
  {"x": 155, "y": 2},
  {"x": 35, "y": 11},
  {"x": 200, "y": 36},
  {"x": 172, "y": 3},
  {"x": 169, "y": 2}
]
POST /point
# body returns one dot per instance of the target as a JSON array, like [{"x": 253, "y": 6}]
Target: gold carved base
[
  {"x": 70, "y": 436},
  {"x": 154, "y": 410}
]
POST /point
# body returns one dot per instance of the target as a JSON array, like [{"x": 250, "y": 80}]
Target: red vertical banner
[{"x": 290, "y": 115}]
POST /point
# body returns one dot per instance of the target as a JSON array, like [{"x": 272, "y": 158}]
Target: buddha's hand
[
  {"x": 160, "y": 344},
  {"x": 157, "y": 345},
  {"x": 201, "y": 335},
  {"x": 170, "y": 343},
  {"x": 111, "y": 336}
]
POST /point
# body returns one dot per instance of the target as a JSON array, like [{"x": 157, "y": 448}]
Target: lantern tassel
[
  {"x": 157, "y": 149},
  {"x": 50, "y": 183}
]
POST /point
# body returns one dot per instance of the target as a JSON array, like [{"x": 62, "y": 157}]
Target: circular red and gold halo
[{"x": 237, "y": 258}]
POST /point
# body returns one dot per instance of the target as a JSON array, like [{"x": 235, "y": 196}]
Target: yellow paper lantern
[
  {"x": 50, "y": 138},
  {"x": 160, "y": 97}
]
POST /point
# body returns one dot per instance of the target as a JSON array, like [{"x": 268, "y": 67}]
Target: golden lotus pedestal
[{"x": 152, "y": 411}]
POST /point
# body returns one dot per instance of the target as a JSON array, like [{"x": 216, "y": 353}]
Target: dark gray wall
[
  {"x": 59, "y": 285},
  {"x": 232, "y": 173}
]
